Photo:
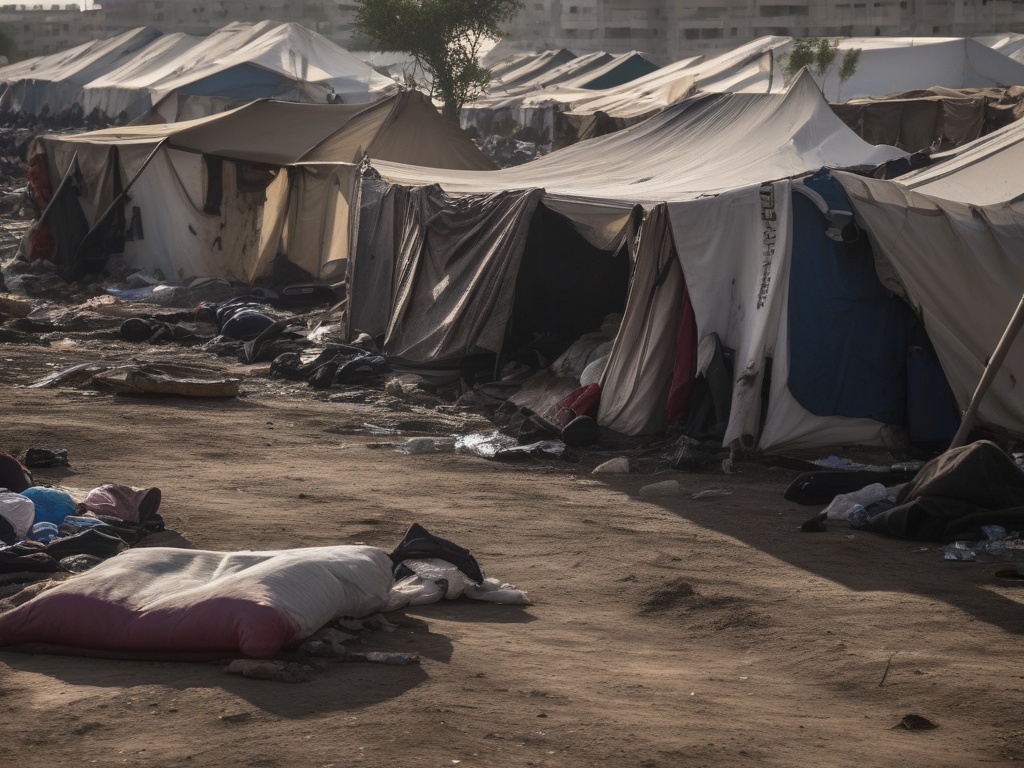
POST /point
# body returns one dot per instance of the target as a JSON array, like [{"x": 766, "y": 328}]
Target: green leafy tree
[
  {"x": 444, "y": 36},
  {"x": 819, "y": 55},
  {"x": 848, "y": 67}
]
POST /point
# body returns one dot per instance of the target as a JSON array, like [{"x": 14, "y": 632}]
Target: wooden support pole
[{"x": 994, "y": 364}]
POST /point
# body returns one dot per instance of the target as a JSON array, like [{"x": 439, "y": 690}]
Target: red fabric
[
  {"x": 84, "y": 625},
  {"x": 14, "y": 476},
  {"x": 117, "y": 501},
  {"x": 579, "y": 402},
  {"x": 685, "y": 371},
  {"x": 41, "y": 241}
]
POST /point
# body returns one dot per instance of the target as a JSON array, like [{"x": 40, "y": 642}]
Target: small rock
[
  {"x": 316, "y": 648},
  {"x": 379, "y": 623},
  {"x": 656, "y": 490},
  {"x": 380, "y": 657},
  {"x": 278, "y": 671},
  {"x": 616, "y": 466},
  {"x": 9, "y": 305},
  {"x": 916, "y": 723},
  {"x": 332, "y": 640},
  {"x": 237, "y": 717},
  {"x": 38, "y": 458},
  {"x": 353, "y": 625},
  {"x": 710, "y": 493}
]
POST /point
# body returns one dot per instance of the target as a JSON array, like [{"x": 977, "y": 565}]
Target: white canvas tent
[
  {"x": 223, "y": 195},
  {"x": 181, "y": 75},
  {"x": 560, "y": 114},
  {"x": 704, "y": 170},
  {"x": 1007, "y": 43},
  {"x": 892, "y": 64},
  {"x": 886, "y": 65},
  {"x": 269, "y": 59},
  {"x": 954, "y": 235},
  {"x": 55, "y": 82}
]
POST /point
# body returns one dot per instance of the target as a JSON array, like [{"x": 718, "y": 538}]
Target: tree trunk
[{"x": 449, "y": 109}]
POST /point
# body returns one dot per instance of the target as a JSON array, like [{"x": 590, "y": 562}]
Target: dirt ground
[{"x": 668, "y": 633}]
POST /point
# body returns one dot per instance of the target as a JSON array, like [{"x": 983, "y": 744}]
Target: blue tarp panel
[
  {"x": 243, "y": 82},
  {"x": 932, "y": 413},
  {"x": 630, "y": 69},
  {"x": 856, "y": 349},
  {"x": 848, "y": 334}
]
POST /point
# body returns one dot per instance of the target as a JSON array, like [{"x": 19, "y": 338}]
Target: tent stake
[{"x": 994, "y": 363}]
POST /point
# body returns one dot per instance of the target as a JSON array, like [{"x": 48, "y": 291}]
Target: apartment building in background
[
  {"x": 666, "y": 29},
  {"x": 674, "y": 29},
  {"x": 41, "y": 29}
]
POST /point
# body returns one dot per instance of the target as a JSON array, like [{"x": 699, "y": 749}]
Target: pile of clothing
[{"x": 45, "y": 530}]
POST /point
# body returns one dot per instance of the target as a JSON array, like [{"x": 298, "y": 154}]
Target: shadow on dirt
[
  {"x": 338, "y": 687},
  {"x": 756, "y": 514},
  {"x": 474, "y": 612}
]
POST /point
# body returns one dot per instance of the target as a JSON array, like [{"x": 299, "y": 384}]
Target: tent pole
[{"x": 994, "y": 363}]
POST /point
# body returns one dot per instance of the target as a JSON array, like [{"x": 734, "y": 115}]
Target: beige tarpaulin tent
[
  {"x": 56, "y": 81},
  {"x": 708, "y": 167},
  {"x": 215, "y": 196},
  {"x": 953, "y": 233},
  {"x": 749, "y": 68},
  {"x": 935, "y": 118},
  {"x": 187, "y": 76}
]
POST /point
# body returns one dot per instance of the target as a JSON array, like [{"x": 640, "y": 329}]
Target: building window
[{"x": 784, "y": 10}]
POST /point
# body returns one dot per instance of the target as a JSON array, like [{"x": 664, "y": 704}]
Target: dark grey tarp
[
  {"x": 935, "y": 118},
  {"x": 371, "y": 266},
  {"x": 456, "y": 272}
]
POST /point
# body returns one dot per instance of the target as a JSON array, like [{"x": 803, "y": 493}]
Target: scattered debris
[
  {"x": 145, "y": 378},
  {"x": 616, "y": 466},
  {"x": 658, "y": 490},
  {"x": 36, "y": 458},
  {"x": 237, "y": 717},
  {"x": 259, "y": 669},
  {"x": 711, "y": 493},
  {"x": 380, "y": 657},
  {"x": 916, "y": 723}
]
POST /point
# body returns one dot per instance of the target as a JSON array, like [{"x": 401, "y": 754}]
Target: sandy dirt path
[{"x": 675, "y": 633}]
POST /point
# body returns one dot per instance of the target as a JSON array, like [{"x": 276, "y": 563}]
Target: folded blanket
[{"x": 163, "y": 603}]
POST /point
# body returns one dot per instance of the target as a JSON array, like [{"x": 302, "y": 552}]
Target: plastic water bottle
[
  {"x": 858, "y": 517},
  {"x": 844, "y": 503},
  {"x": 44, "y": 532}
]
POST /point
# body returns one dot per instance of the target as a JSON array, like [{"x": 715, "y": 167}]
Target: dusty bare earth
[{"x": 677, "y": 633}]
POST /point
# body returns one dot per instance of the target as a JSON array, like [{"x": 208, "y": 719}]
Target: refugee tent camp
[
  {"x": 556, "y": 114},
  {"x": 935, "y": 119},
  {"x": 269, "y": 59},
  {"x": 183, "y": 76},
  {"x": 55, "y": 82},
  {"x": 563, "y": 114},
  {"x": 531, "y": 68},
  {"x": 593, "y": 71},
  {"x": 474, "y": 263},
  {"x": 504, "y": 111},
  {"x": 892, "y": 64},
  {"x": 215, "y": 196},
  {"x": 953, "y": 233},
  {"x": 1008, "y": 43}
]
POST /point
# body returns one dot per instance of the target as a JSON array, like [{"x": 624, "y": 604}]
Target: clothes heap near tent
[
  {"x": 41, "y": 527},
  {"x": 143, "y": 73},
  {"x": 955, "y": 494},
  {"x": 240, "y": 318}
]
